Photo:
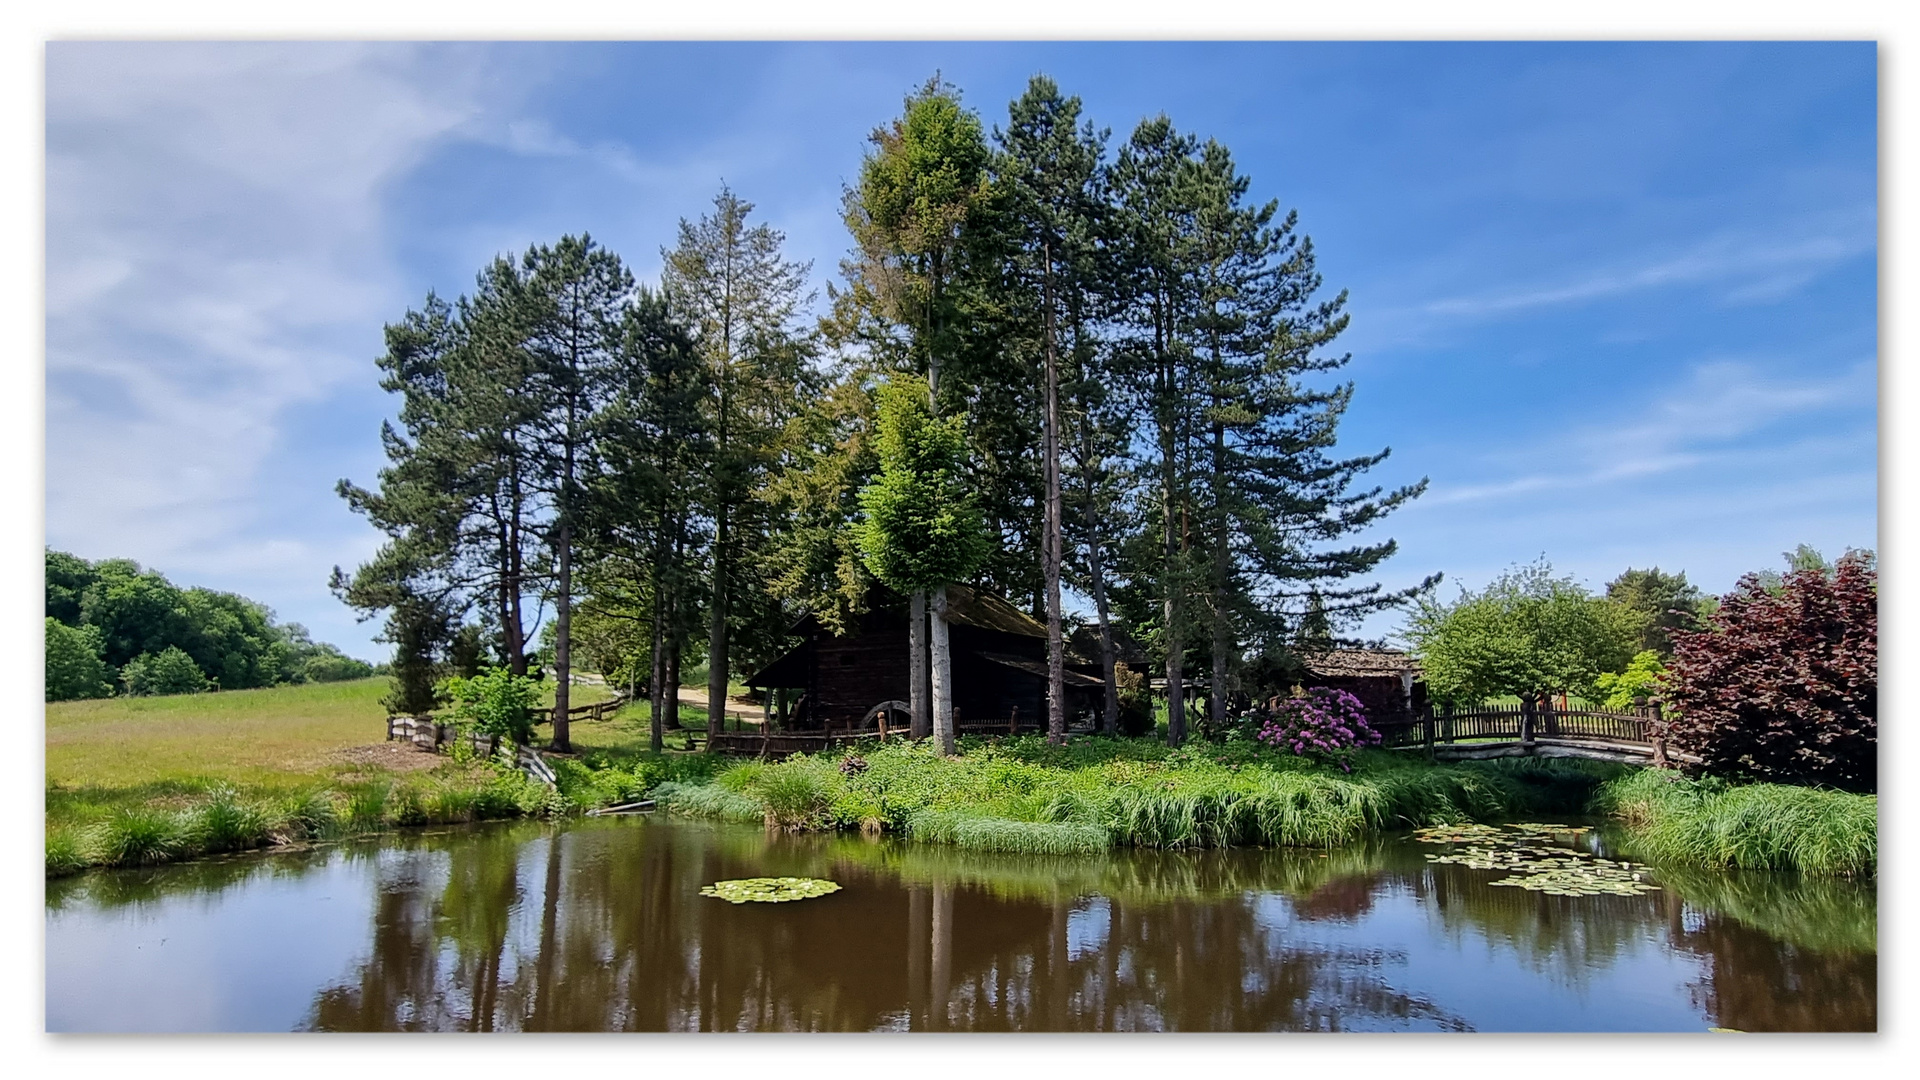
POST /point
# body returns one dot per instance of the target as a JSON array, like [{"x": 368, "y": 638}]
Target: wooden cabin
[
  {"x": 1386, "y": 681},
  {"x": 858, "y": 681}
]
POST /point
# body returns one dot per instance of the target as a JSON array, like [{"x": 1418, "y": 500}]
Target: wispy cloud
[
  {"x": 1755, "y": 268},
  {"x": 215, "y": 256},
  {"x": 1719, "y": 410}
]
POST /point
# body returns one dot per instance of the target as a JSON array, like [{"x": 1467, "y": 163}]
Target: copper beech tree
[{"x": 1783, "y": 685}]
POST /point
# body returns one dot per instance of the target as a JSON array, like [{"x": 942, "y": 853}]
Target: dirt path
[{"x": 696, "y": 696}]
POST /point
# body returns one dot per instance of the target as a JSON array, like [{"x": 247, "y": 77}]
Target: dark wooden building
[
  {"x": 999, "y": 668},
  {"x": 1386, "y": 681}
]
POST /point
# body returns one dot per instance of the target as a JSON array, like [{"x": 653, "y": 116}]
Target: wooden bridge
[{"x": 1534, "y": 730}]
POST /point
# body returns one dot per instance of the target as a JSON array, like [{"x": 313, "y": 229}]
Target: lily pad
[
  {"x": 1527, "y": 854},
  {"x": 769, "y": 890}
]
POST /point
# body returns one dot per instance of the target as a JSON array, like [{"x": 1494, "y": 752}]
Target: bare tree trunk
[
  {"x": 942, "y": 674},
  {"x": 717, "y": 628},
  {"x": 1222, "y": 640},
  {"x": 1176, "y": 695},
  {"x": 562, "y": 644},
  {"x": 920, "y": 723},
  {"x": 1110, "y": 714},
  {"x": 1056, "y": 651},
  {"x": 658, "y": 682}
]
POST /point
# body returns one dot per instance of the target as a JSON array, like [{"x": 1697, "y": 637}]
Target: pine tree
[
  {"x": 728, "y": 284},
  {"x": 1050, "y": 169},
  {"x": 579, "y": 294},
  {"x": 656, "y": 451}
]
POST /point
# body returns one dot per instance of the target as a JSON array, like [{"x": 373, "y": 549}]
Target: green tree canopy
[
  {"x": 170, "y": 671},
  {"x": 922, "y": 529},
  {"x": 74, "y": 667},
  {"x": 1665, "y": 603},
  {"x": 1528, "y": 633}
]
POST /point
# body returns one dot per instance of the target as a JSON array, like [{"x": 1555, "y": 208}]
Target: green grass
[
  {"x": 1751, "y": 826},
  {"x": 136, "y": 781},
  {"x": 1021, "y": 795}
]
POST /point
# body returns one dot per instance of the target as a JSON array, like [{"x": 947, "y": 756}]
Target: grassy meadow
[{"x": 147, "y": 779}]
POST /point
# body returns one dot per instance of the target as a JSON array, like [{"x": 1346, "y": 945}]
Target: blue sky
[{"x": 1618, "y": 301}]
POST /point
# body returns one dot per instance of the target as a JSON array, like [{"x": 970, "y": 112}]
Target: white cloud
[
  {"x": 1759, "y": 267},
  {"x": 1710, "y": 416},
  {"x": 215, "y": 257}
]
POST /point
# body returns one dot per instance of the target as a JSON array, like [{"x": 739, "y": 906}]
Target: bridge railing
[{"x": 1525, "y": 722}]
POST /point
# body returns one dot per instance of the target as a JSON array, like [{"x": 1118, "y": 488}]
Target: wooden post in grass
[
  {"x": 1527, "y": 707},
  {"x": 1426, "y": 726},
  {"x": 1657, "y": 728},
  {"x": 1446, "y": 725}
]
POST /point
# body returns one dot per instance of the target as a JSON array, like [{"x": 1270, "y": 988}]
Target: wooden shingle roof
[{"x": 1360, "y": 663}]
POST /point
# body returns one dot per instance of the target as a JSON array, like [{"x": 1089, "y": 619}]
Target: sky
[{"x": 1616, "y": 302}]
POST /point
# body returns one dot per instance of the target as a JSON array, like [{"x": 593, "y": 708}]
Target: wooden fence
[
  {"x": 1530, "y": 727},
  {"x": 429, "y": 734}
]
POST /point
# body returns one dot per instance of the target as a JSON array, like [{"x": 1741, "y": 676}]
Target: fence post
[
  {"x": 1426, "y": 726},
  {"x": 1547, "y": 717},
  {"x": 1527, "y": 708},
  {"x": 1657, "y": 727}
]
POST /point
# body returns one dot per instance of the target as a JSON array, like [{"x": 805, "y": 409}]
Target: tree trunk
[
  {"x": 1110, "y": 713},
  {"x": 717, "y": 627},
  {"x": 942, "y": 674},
  {"x": 920, "y": 724},
  {"x": 562, "y": 645},
  {"x": 657, "y": 680},
  {"x": 1056, "y": 650},
  {"x": 1176, "y": 692},
  {"x": 1222, "y": 640}
]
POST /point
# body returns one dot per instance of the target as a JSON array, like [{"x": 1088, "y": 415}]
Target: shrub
[
  {"x": 1783, "y": 686},
  {"x": 1629, "y": 688},
  {"x": 74, "y": 667},
  {"x": 495, "y": 702},
  {"x": 1324, "y": 724},
  {"x": 170, "y": 671}
]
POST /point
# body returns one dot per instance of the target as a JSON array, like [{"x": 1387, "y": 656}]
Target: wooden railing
[
  {"x": 1526, "y": 725},
  {"x": 429, "y": 734}
]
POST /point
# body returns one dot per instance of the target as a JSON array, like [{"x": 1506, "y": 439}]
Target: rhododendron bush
[{"x": 1324, "y": 723}]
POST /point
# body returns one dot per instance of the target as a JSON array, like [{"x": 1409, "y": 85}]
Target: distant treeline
[{"x": 113, "y": 628}]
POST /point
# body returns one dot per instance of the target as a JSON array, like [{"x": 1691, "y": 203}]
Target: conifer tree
[
  {"x": 1050, "y": 170},
  {"x": 578, "y": 295},
  {"x": 728, "y": 284}
]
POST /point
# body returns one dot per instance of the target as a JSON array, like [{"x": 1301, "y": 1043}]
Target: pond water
[{"x": 600, "y": 925}]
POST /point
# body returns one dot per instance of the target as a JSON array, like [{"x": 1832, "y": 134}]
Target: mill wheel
[{"x": 892, "y": 715}]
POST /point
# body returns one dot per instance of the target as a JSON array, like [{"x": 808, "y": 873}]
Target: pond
[{"x": 601, "y": 925}]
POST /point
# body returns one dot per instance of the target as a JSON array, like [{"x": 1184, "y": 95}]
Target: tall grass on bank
[
  {"x": 1025, "y": 796},
  {"x": 222, "y": 821},
  {"x": 1708, "y": 822}
]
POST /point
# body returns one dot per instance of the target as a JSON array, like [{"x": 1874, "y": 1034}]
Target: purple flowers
[{"x": 1327, "y": 724}]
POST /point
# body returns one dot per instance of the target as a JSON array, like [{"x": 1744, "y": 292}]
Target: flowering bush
[{"x": 1326, "y": 724}]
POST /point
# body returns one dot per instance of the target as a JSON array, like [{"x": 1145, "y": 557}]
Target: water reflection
[{"x": 600, "y": 926}]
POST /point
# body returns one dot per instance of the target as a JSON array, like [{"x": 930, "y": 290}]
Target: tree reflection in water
[{"x": 600, "y": 926}]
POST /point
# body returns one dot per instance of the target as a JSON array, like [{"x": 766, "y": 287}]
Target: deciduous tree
[{"x": 1784, "y": 685}]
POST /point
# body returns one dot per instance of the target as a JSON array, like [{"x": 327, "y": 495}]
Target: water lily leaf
[{"x": 769, "y": 890}]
